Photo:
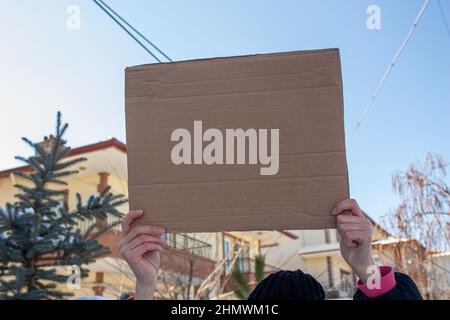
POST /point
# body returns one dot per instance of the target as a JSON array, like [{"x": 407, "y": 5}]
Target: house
[
  {"x": 317, "y": 252},
  {"x": 439, "y": 275}
]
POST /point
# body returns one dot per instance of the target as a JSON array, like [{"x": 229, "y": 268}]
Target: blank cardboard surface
[{"x": 299, "y": 93}]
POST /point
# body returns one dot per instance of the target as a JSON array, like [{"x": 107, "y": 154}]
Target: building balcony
[
  {"x": 184, "y": 255},
  {"x": 183, "y": 242},
  {"x": 187, "y": 255}
]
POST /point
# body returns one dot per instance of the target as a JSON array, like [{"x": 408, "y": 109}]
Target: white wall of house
[{"x": 315, "y": 252}]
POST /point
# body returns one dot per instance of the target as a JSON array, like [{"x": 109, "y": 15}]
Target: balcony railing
[
  {"x": 183, "y": 242},
  {"x": 177, "y": 241},
  {"x": 341, "y": 290}
]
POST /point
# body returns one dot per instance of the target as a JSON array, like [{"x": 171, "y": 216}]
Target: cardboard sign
[{"x": 240, "y": 143}]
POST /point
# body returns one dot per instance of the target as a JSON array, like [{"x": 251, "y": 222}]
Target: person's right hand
[
  {"x": 140, "y": 247},
  {"x": 355, "y": 231}
]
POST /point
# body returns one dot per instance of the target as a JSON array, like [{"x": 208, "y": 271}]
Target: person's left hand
[{"x": 141, "y": 247}]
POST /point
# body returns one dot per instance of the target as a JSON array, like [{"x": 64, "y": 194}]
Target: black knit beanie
[{"x": 288, "y": 285}]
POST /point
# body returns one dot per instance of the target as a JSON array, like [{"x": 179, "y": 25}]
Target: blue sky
[{"x": 45, "y": 67}]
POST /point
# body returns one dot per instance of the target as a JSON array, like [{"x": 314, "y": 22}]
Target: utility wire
[
  {"x": 126, "y": 30},
  {"x": 135, "y": 30},
  {"x": 389, "y": 68},
  {"x": 443, "y": 17}
]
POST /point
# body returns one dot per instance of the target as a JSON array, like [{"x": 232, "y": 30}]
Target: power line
[
  {"x": 389, "y": 68},
  {"x": 443, "y": 17},
  {"x": 135, "y": 30},
  {"x": 126, "y": 30}
]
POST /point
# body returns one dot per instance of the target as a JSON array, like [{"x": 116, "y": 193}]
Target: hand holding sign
[
  {"x": 355, "y": 231},
  {"x": 141, "y": 247}
]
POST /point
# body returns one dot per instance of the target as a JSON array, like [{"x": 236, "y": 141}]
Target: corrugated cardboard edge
[
  {"x": 136, "y": 68},
  {"x": 343, "y": 121}
]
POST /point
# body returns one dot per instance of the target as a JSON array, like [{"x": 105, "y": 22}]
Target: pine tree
[{"x": 38, "y": 233}]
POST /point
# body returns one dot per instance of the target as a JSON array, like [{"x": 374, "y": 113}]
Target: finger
[
  {"x": 129, "y": 218},
  {"x": 350, "y": 243},
  {"x": 346, "y": 240},
  {"x": 136, "y": 254},
  {"x": 140, "y": 239},
  {"x": 342, "y": 219},
  {"x": 359, "y": 237},
  {"x": 147, "y": 229},
  {"x": 149, "y": 245},
  {"x": 348, "y": 205},
  {"x": 352, "y": 227},
  {"x": 344, "y": 205}
]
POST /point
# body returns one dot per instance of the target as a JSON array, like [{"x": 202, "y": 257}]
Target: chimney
[{"x": 48, "y": 142}]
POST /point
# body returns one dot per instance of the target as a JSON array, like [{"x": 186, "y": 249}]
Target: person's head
[{"x": 288, "y": 285}]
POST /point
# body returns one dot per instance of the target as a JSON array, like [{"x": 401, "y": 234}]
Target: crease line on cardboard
[
  {"x": 228, "y": 217},
  {"x": 261, "y": 56},
  {"x": 236, "y": 93},
  {"x": 231, "y": 78},
  {"x": 230, "y": 181}
]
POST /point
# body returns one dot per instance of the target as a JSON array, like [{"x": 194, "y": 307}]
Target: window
[
  {"x": 376, "y": 259},
  {"x": 330, "y": 272},
  {"x": 170, "y": 238},
  {"x": 346, "y": 284},
  {"x": 243, "y": 261},
  {"x": 226, "y": 254},
  {"x": 231, "y": 246},
  {"x": 327, "y": 236}
]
